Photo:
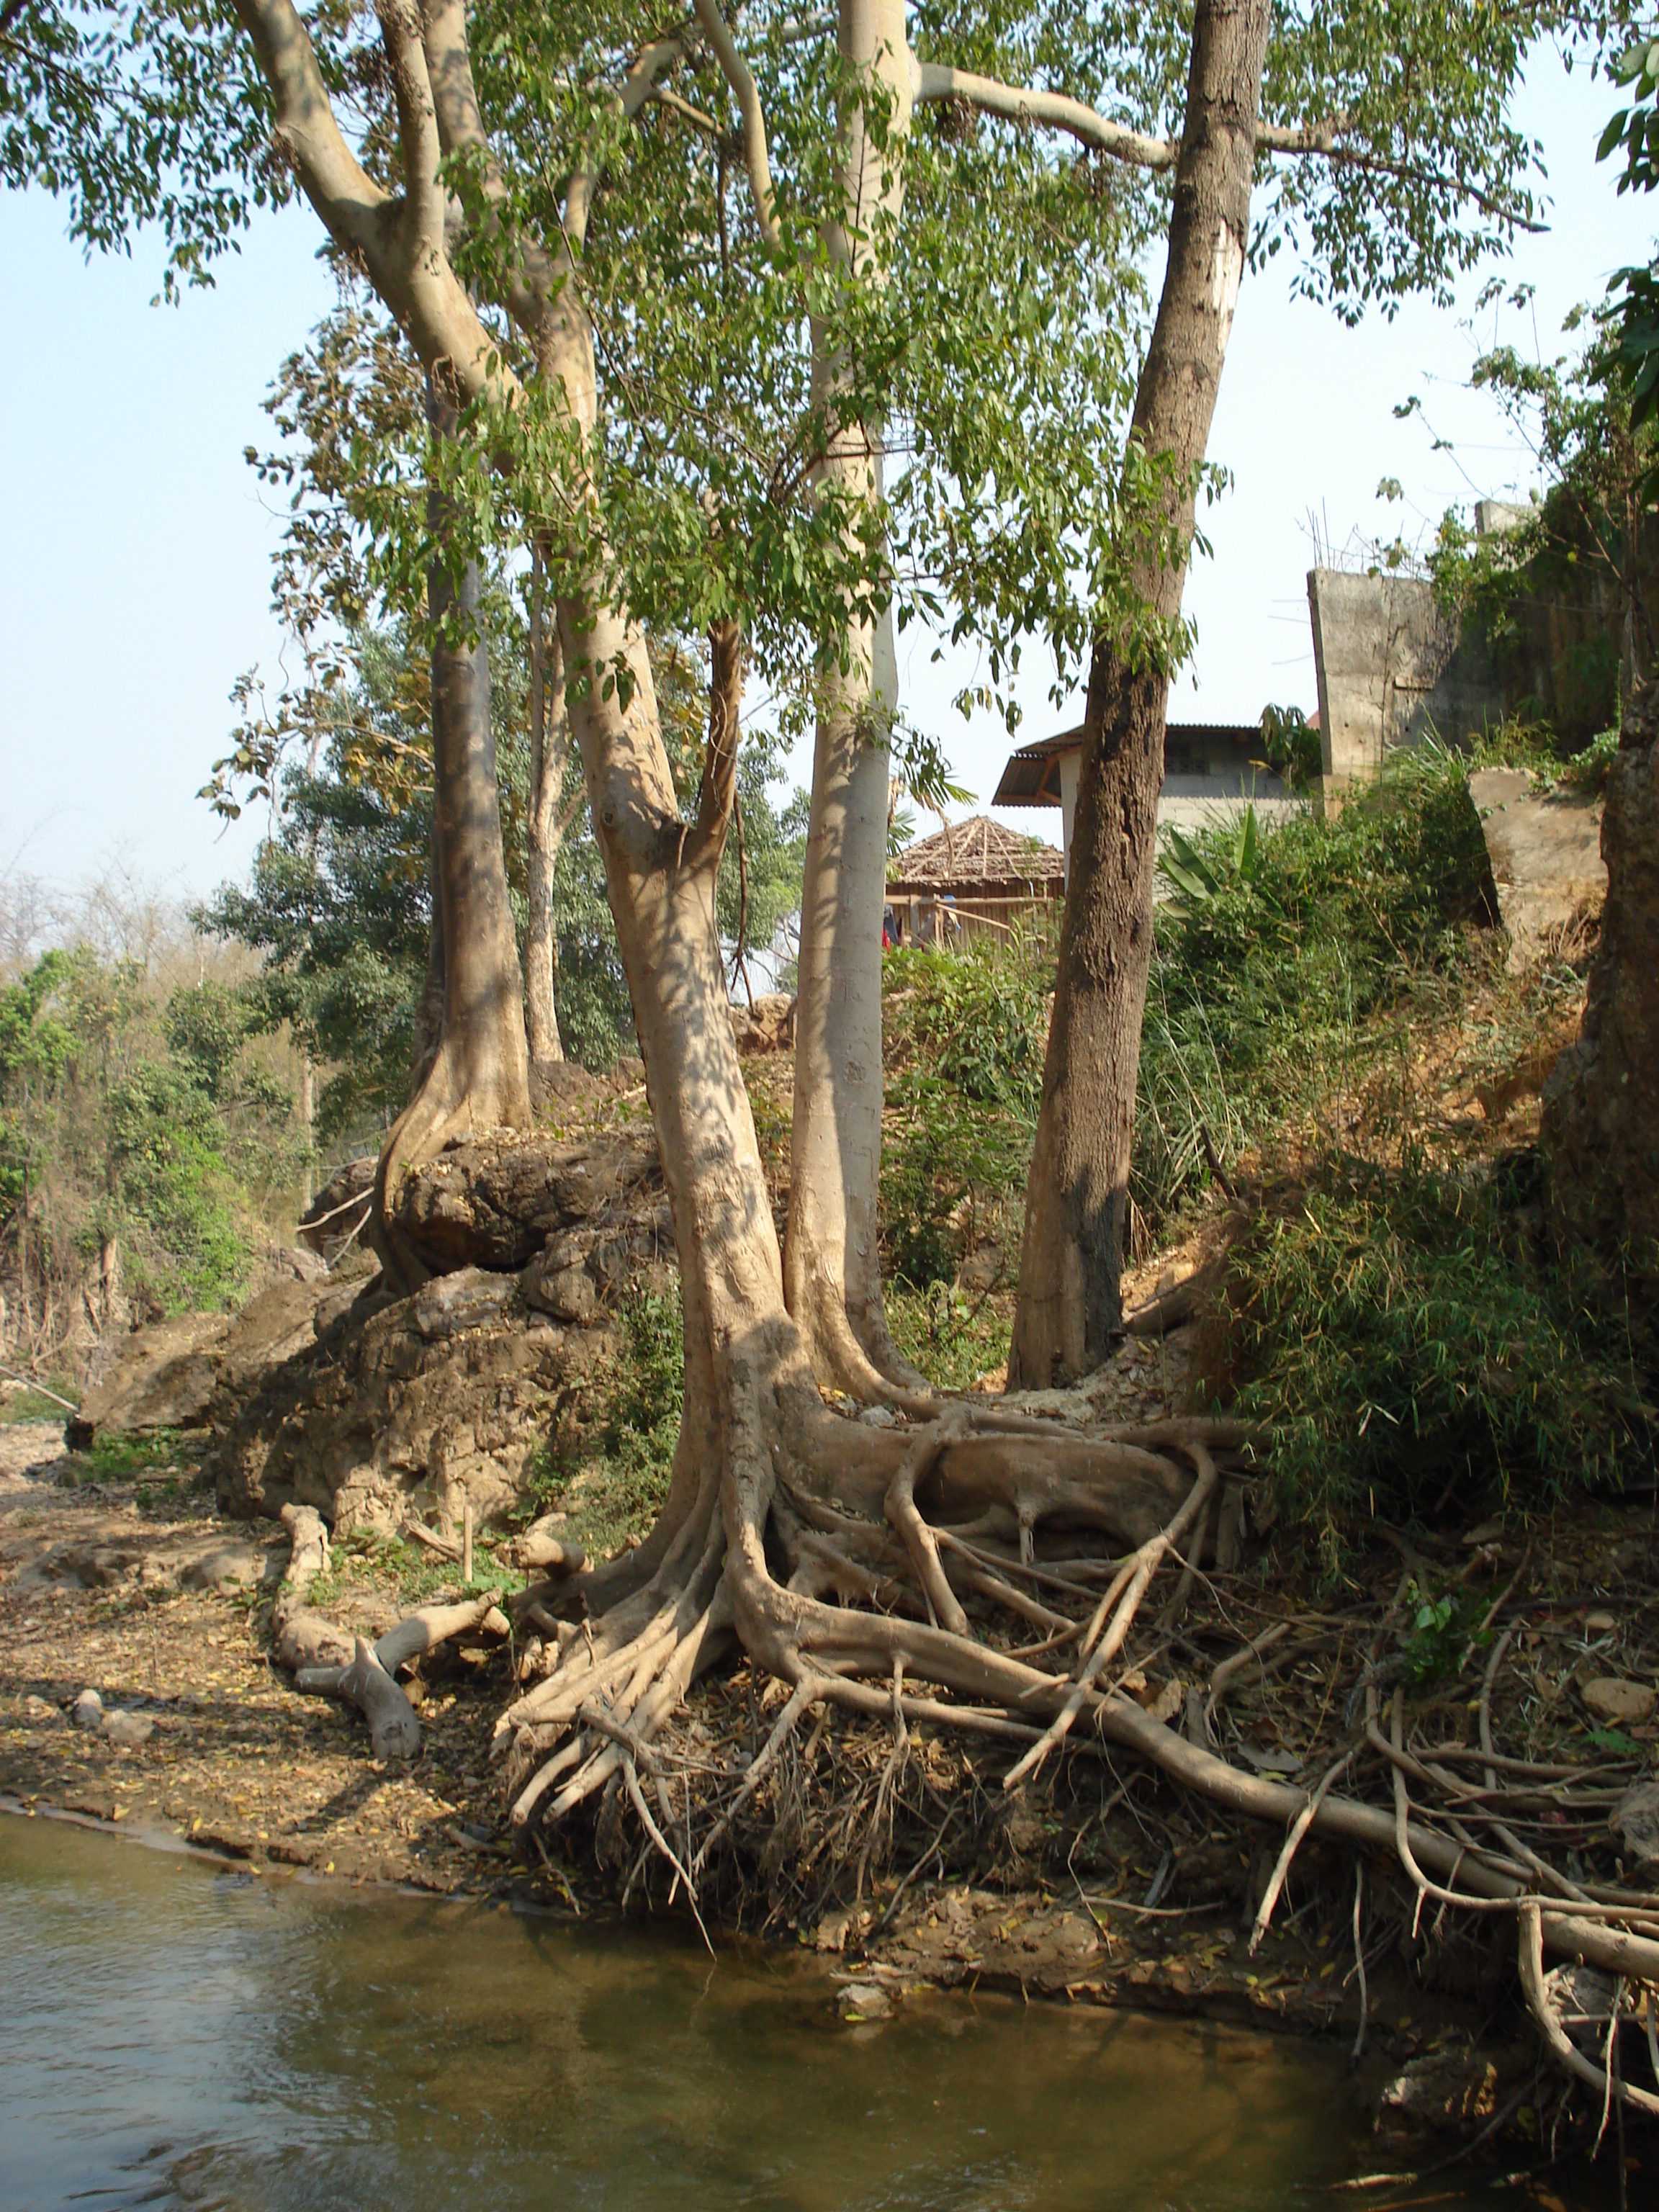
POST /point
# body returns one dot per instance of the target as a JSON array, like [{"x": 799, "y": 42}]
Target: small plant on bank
[{"x": 111, "y": 1453}]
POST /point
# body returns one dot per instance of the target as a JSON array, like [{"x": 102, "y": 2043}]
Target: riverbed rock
[
  {"x": 864, "y": 2000},
  {"x": 227, "y": 1567},
  {"x": 97, "y": 1564},
  {"x": 1618, "y": 1703},
  {"x": 87, "y": 1712},
  {"x": 1454, "y": 2089},
  {"x": 131, "y": 1730},
  {"x": 1635, "y": 1822}
]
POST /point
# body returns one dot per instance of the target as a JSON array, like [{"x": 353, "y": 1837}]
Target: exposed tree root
[
  {"x": 880, "y": 1571},
  {"x": 330, "y": 1662},
  {"x": 889, "y": 1575}
]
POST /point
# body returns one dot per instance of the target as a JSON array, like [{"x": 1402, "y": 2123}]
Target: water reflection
[{"x": 175, "y": 2037}]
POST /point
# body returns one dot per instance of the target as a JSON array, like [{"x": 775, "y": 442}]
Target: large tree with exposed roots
[{"x": 842, "y": 1557}]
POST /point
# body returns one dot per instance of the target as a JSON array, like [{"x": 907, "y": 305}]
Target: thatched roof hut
[
  {"x": 970, "y": 872},
  {"x": 978, "y": 859}
]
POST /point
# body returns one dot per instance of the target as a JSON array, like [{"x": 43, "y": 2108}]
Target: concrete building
[{"x": 1209, "y": 769}]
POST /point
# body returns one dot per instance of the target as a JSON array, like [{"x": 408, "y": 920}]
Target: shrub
[
  {"x": 1279, "y": 945},
  {"x": 1409, "y": 1351}
]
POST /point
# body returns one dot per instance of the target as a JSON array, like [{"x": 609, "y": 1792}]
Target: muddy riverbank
[{"x": 1107, "y": 1891}]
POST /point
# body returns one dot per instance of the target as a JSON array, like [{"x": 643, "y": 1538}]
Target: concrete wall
[{"x": 1391, "y": 667}]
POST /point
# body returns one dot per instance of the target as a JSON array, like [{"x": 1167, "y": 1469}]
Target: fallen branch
[
  {"x": 303, "y": 1638},
  {"x": 393, "y": 1730}
]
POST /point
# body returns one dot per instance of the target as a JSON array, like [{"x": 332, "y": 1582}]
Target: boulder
[
  {"x": 129, "y": 1729},
  {"x": 168, "y": 1376},
  {"x": 566, "y": 1292},
  {"x": 1635, "y": 1821},
  {"x": 494, "y": 1201},
  {"x": 164, "y": 1378},
  {"x": 227, "y": 1567},
  {"x": 1545, "y": 855},
  {"x": 1621, "y": 1703},
  {"x": 469, "y": 1298}
]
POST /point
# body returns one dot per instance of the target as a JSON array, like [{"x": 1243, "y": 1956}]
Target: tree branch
[
  {"x": 1021, "y": 104},
  {"x": 418, "y": 139},
  {"x": 398, "y": 243},
  {"x": 933, "y": 80},
  {"x": 535, "y": 278},
  {"x": 349, "y": 202},
  {"x": 740, "y": 77},
  {"x": 720, "y": 761}
]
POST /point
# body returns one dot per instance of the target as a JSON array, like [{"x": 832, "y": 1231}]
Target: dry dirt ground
[{"x": 95, "y": 1593}]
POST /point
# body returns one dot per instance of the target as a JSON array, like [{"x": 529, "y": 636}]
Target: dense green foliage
[
  {"x": 135, "y": 1116},
  {"x": 1280, "y": 948},
  {"x": 964, "y": 1062},
  {"x": 1394, "y": 1318}
]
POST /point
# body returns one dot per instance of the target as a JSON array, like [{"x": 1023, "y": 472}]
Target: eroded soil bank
[{"x": 1100, "y": 1886}]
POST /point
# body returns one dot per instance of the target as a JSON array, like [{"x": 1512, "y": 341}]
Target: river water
[{"x": 175, "y": 2035}]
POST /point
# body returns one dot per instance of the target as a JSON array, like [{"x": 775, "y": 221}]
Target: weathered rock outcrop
[
  {"x": 494, "y": 1203},
  {"x": 373, "y": 1408},
  {"x": 173, "y": 1375}
]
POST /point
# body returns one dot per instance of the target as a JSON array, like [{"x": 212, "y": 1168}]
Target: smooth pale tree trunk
[
  {"x": 478, "y": 1076},
  {"x": 549, "y": 749},
  {"x": 1068, "y": 1303},
  {"x": 832, "y": 1264}
]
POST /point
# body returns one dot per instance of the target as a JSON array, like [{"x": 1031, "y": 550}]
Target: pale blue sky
[{"x": 134, "y": 577}]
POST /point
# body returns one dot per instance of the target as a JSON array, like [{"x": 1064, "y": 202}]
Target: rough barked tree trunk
[
  {"x": 479, "y": 1076},
  {"x": 832, "y": 1262},
  {"x": 1068, "y": 1303},
  {"x": 1600, "y": 1124},
  {"x": 549, "y": 749}
]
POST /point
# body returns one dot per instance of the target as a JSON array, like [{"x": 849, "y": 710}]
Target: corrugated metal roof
[{"x": 1032, "y": 776}]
